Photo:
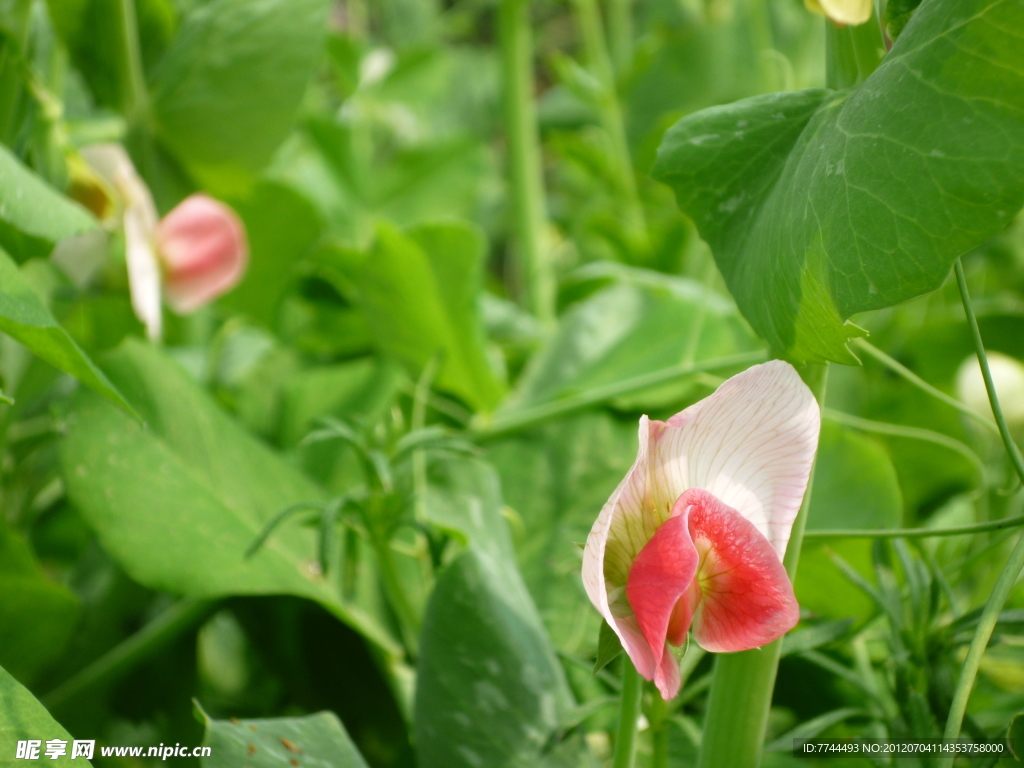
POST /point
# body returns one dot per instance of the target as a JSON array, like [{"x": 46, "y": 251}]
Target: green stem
[
  {"x": 990, "y": 387},
  {"x": 524, "y": 159},
  {"x": 408, "y": 621},
  {"x": 620, "y": 33},
  {"x": 741, "y": 690},
  {"x": 612, "y": 120},
  {"x": 1015, "y": 563},
  {"x": 815, "y": 375},
  {"x": 852, "y": 53},
  {"x": 629, "y": 715},
  {"x": 896, "y": 367},
  {"x": 982, "y": 634},
  {"x": 761, "y": 32},
  {"x": 911, "y": 433},
  {"x": 659, "y": 714},
  {"x": 177, "y": 619},
  {"x": 916, "y": 533},
  {"x": 135, "y": 98},
  {"x": 516, "y": 421},
  {"x": 419, "y": 421}
]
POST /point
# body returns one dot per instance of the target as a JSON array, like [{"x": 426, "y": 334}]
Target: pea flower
[
  {"x": 194, "y": 254},
  {"x": 693, "y": 537}
]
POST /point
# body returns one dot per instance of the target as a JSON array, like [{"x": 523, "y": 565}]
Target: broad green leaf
[
  {"x": 643, "y": 324},
  {"x": 227, "y": 90},
  {"x": 25, "y": 318},
  {"x": 819, "y": 205},
  {"x": 489, "y": 689},
  {"x": 282, "y": 227},
  {"x": 419, "y": 291},
  {"x": 37, "y": 615},
  {"x": 314, "y": 741},
  {"x": 179, "y": 501},
  {"x": 33, "y": 215},
  {"x": 464, "y": 498},
  {"x": 855, "y": 486},
  {"x": 23, "y": 718}
]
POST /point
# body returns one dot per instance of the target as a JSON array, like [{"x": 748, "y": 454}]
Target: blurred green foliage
[{"x": 445, "y": 452}]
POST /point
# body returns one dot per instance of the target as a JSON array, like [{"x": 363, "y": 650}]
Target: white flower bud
[{"x": 1008, "y": 377}]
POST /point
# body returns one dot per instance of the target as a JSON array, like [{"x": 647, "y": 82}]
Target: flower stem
[
  {"x": 741, "y": 690},
  {"x": 629, "y": 715},
  {"x": 852, "y": 52},
  {"x": 524, "y": 158},
  {"x": 659, "y": 714},
  {"x": 990, "y": 387}
]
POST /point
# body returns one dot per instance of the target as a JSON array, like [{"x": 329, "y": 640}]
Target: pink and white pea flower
[
  {"x": 693, "y": 537},
  {"x": 191, "y": 256}
]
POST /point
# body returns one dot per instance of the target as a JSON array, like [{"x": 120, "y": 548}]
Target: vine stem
[
  {"x": 524, "y": 418},
  {"x": 741, "y": 689},
  {"x": 620, "y": 32},
  {"x": 901, "y": 370},
  {"x": 916, "y": 533},
  {"x": 594, "y": 43},
  {"x": 136, "y": 98},
  {"x": 115, "y": 663},
  {"x": 912, "y": 433},
  {"x": 979, "y": 347},
  {"x": 982, "y": 634},
  {"x": 524, "y": 158},
  {"x": 1015, "y": 563},
  {"x": 629, "y": 715}
]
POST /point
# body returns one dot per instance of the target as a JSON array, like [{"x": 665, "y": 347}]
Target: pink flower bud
[{"x": 202, "y": 248}]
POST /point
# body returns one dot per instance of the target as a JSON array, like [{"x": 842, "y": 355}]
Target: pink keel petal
[
  {"x": 746, "y": 598},
  {"x": 203, "y": 248},
  {"x": 660, "y": 575}
]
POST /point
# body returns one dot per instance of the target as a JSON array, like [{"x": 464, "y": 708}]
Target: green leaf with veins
[{"x": 819, "y": 205}]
